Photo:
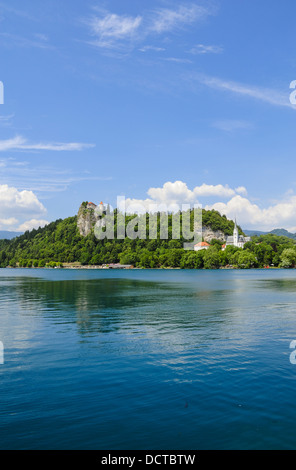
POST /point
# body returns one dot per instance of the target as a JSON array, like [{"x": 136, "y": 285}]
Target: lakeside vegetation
[{"x": 60, "y": 242}]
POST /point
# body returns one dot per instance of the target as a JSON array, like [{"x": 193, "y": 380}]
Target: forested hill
[{"x": 60, "y": 242}]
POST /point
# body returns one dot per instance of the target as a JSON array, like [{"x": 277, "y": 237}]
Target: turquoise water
[{"x": 147, "y": 359}]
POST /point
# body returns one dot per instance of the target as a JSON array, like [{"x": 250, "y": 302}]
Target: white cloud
[
  {"x": 172, "y": 193},
  {"x": 151, "y": 48},
  {"x": 19, "y": 203},
  {"x": 178, "y": 60},
  {"x": 230, "y": 125},
  {"x": 30, "y": 224},
  {"x": 6, "y": 224},
  {"x": 20, "y": 143},
  {"x": 280, "y": 215},
  {"x": 166, "y": 20},
  {"x": 267, "y": 95},
  {"x": 18, "y": 208},
  {"x": 177, "y": 193},
  {"x": 203, "y": 49},
  {"x": 171, "y": 196},
  {"x": 207, "y": 190},
  {"x": 241, "y": 190},
  {"x": 111, "y": 28},
  {"x": 115, "y": 26}
]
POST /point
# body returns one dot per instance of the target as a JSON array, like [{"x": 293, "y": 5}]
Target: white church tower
[
  {"x": 236, "y": 239},
  {"x": 235, "y": 235}
]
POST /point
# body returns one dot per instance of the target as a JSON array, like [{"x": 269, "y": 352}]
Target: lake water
[{"x": 147, "y": 359}]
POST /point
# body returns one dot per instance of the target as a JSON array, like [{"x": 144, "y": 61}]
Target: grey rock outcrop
[
  {"x": 209, "y": 234},
  {"x": 87, "y": 219}
]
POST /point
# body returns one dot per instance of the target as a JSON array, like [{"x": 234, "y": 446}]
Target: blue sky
[{"x": 158, "y": 101}]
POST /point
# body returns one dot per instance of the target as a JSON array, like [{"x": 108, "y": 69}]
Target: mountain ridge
[{"x": 8, "y": 235}]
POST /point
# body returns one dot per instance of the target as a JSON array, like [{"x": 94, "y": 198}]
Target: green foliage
[
  {"x": 215, "y": 221},
  {"x": 246, "y": 260},
  {"x": 60, "y": 242},
  {"x": 288, "y": 258},
  {"x": 211, "y": 258}
]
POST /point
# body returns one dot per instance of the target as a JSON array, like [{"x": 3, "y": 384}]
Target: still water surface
[{"x": 148, "y": 359}]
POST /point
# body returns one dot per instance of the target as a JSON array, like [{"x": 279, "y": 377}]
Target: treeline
[{"x": 60, "y": 242}]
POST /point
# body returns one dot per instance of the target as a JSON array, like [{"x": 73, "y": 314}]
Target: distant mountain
[
  {"x": 278, "y": 231},
  {"x": 253, "y": 233},
  {"x": 283, "y": 232},
  {"x": 4, "y": 234}
]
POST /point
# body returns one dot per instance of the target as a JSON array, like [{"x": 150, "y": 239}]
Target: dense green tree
[
  {"x": 211, "y": 258},
  {"x": 246, "y": 260},
  {"x": 288, "y": 258}
]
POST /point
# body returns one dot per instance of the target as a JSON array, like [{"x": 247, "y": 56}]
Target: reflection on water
[
  {"x": 279, "y": 284},
  {"x": 103, "y": 305},
  {"x": 147, "y": 359}
]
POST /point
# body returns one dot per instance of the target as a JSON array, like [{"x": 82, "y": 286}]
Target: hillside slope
[{"x": 61, "y": 242}]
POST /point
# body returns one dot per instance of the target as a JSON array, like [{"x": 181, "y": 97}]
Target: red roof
[{"x": 202, "y": 244}]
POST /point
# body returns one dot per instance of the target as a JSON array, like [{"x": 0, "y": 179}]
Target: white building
[
  {"x": 91, "y": 205},
  {"x": 201, "y": 246},
  {"x": 99, "y": 209},
  {"x": 236, "y": 239}
]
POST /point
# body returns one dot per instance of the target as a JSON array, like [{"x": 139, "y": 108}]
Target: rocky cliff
[
  {"x": 87, "y": 219},
  {"x": 209, "y": 234}
]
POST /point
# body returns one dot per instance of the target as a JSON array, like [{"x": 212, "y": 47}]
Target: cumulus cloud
[
  {"x": 233, "y": 202},
  {"x": 6, "y": 224},
  {"x": 30, "y": 224},
  {"x": 173, "y": 194},
  {"x": 16, "y": 207},
  {"x": 241, "y": 190},
  {"x": 207, "y": 190},
  {"x": 178, "y": 192},
  {"x": 17, "y": 202},
  {"x": 279, "y": 215}
]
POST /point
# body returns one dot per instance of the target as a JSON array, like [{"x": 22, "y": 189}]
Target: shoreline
[{"x": 101, "y": 268}]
